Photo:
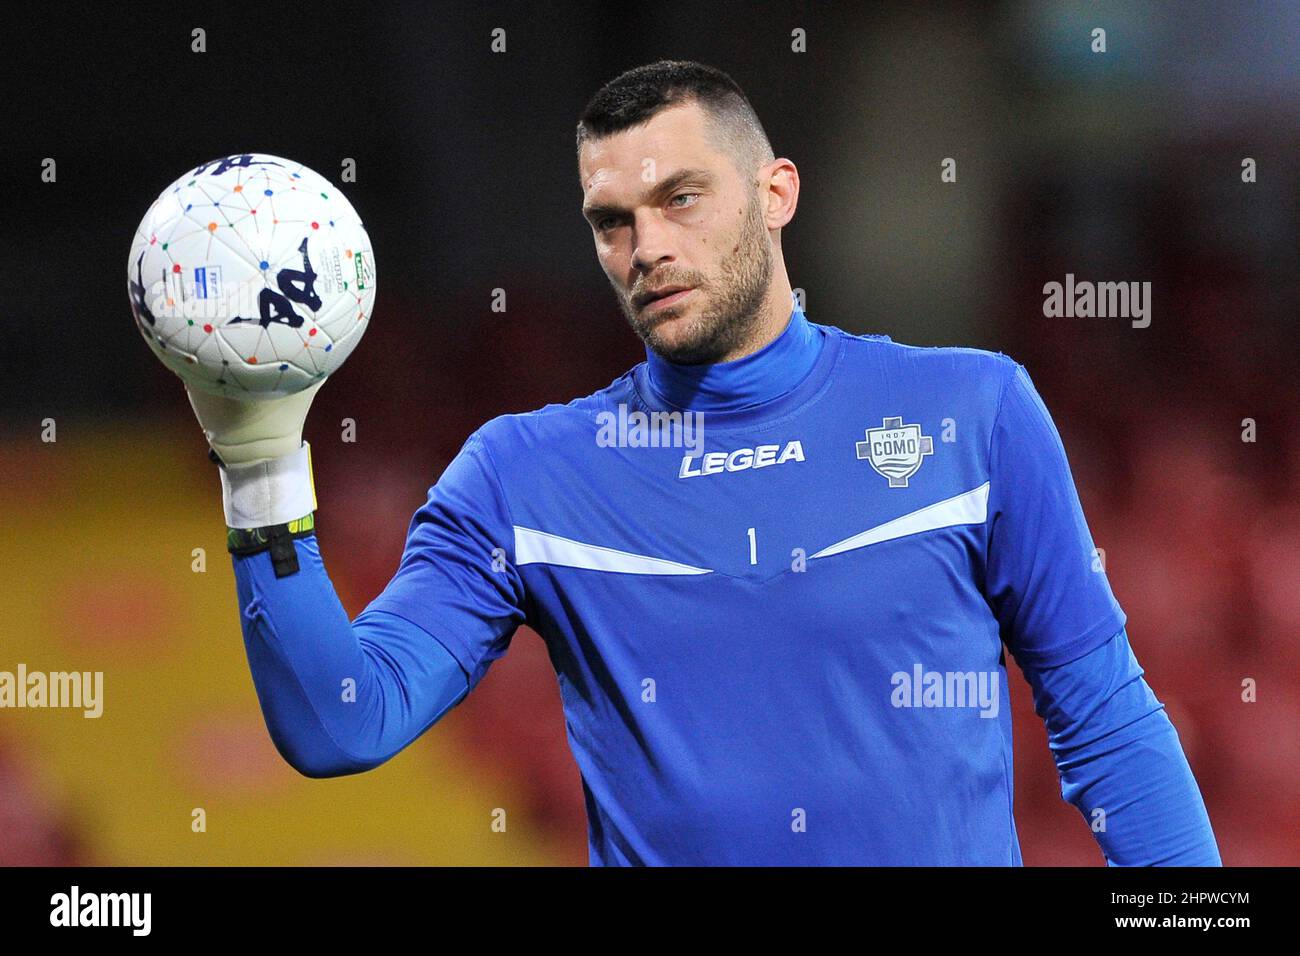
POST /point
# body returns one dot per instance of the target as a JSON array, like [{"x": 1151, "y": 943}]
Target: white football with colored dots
[{"x": 252, "y": 277}]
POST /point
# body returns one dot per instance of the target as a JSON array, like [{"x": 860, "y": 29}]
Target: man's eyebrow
[{"x": 701, "y": 176}]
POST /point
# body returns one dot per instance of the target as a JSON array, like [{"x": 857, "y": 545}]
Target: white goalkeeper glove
[
  {"x": 242, "y": 432},
  {"x": 266, "y": 466}
]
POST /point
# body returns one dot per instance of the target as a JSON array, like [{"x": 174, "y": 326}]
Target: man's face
[{"x": 670, "y": 211}]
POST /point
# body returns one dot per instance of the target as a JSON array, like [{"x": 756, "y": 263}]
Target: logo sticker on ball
[{"x": 207, "y": 282}]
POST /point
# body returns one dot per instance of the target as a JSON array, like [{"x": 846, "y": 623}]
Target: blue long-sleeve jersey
[{"x": 776, "y": 594}]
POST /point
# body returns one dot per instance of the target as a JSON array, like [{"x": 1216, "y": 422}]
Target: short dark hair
[{"x": 634, "y": 97}]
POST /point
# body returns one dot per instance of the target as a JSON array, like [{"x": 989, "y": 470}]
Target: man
[{"x": 775, "y": 565}]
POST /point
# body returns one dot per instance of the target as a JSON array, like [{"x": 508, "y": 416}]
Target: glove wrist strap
[
  {"x": 269, "y": 503},
  {"x": 276, "y": 538}
]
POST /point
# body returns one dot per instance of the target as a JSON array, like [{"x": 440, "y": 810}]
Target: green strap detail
[{"x": 276, "y": 538}]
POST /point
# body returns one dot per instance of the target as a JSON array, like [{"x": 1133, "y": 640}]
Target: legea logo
[{"x": 742, "y": 459}]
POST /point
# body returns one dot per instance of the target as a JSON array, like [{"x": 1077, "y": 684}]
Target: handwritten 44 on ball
[{"x": 251, "y": 276}]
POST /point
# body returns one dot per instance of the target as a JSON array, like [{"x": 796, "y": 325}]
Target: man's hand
[{"x": 241, "y": 432}]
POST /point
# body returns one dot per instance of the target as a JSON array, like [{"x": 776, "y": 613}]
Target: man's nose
[{"x": 652, "y": 241}]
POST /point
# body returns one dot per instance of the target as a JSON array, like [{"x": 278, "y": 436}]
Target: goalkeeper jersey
[{"x": 776, "y": 594}]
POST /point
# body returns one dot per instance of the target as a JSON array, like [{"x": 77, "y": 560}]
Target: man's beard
[{"x": 737, "y": 299}]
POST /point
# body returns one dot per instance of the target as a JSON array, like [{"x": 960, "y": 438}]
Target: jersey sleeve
[
  {"x": 1044, "y": 582},
  {"x": 1119, "y": 759},
  {"x": 456, "y": 579}
]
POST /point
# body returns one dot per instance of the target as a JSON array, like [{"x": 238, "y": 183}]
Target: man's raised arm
[{"x": 344, "y": 696}]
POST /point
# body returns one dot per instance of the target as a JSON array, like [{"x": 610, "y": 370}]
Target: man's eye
[{"x": 692, "y": 196}]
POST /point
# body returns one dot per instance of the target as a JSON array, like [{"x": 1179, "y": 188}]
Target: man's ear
[{"x": 782, "y": 198}]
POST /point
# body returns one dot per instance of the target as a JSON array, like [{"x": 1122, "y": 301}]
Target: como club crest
[{"x": 896, "y": 450}]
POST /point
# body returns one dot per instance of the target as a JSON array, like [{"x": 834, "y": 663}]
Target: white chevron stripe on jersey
[
  {"x": 969, "y": 507},
  {"x": 538, "y": 547}
]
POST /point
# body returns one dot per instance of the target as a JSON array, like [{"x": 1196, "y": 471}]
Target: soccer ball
[{"x": 251, "y": 277}]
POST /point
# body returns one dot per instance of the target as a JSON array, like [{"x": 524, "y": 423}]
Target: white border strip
[
  {"x": 538, "y": 547},
  {"x": 969, "y": 507}
]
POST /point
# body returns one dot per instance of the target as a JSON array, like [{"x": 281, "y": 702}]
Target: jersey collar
[{"x": 725, "y": 387}]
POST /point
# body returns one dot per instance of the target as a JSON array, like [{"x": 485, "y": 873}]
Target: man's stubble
[{"x": 736, "y": 297}]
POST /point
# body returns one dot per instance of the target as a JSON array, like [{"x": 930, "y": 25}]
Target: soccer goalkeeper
[{"x": 775, "y": 565}]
